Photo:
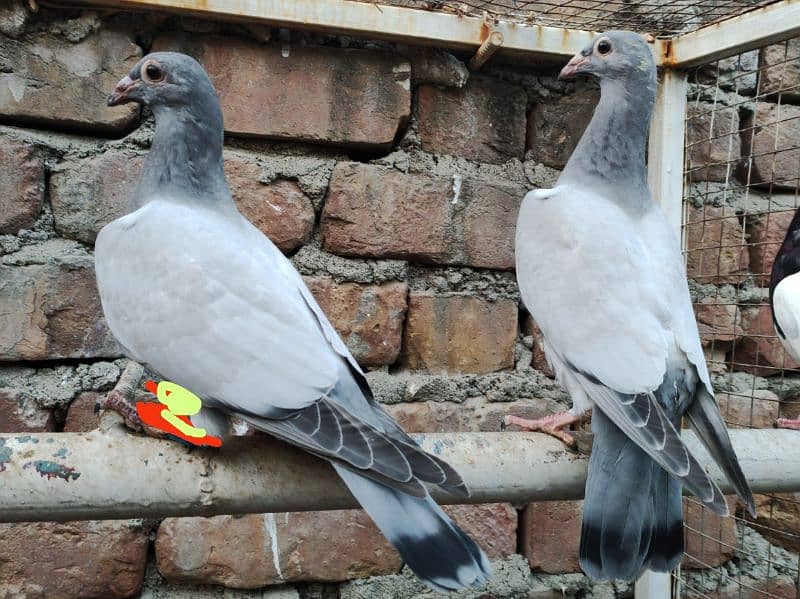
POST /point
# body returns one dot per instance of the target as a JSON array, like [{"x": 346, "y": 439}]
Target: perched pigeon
[
  {"x": 784, "y": 298},
  {"x": 194, "y": 291},
  {"x": 601, "y": 272}
]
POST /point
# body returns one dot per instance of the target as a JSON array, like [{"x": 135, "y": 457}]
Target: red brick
[
  {"x": 550, "y": 533},
  {"x": 778, "y": 517},
  {"x": 780, "y": 70},
  {"x": 378, "y": 212},
  {"x": 72, "y": 559},
  {"x": 715, "y": 245},
  {"x": 81, "y": 416},
  {"x": 355, "y": 98},
  {"x": 758, "y": 408},
  {"x": 556, "y": 126},
  {"x": 449, "y": 334},
  {"x": 766, "y": 237},
  {"x": 770, "y": 136},
  {"x": 781, "y": 587},
  {"x": 279, "y": 209},
  {"x": 369, "y": 318},
  {"x": 493, "y": 526},
  {"x": 538, "y": 357},
  {"x": 718, "y": 321},
  {"x": 21, "y": 186},
  {"x": 19, "y": 414},
  {"x": 760, "y": 352},
  {"x": 483, "y": 121},
  {"x": 714, "y": 146},
  {"x": 64, "y": 85},
  {"x": 709, "y": 540},
  {"x": 89, "y": 193},
  {"x": 52, "y": 311},
  {"x": 237, "y": 551}
]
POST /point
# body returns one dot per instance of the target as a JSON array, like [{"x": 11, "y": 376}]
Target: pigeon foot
[
  {"x": 120, "y": 398},
  {"x": 552, "y": 425},
  {"x": 793, "y": 423}
]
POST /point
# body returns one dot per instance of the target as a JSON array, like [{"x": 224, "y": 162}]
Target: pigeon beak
[
  {"x": 121, "y": 93},
  {"x": 573, "y": 67}
]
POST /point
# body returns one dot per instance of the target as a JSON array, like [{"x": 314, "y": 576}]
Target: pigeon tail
[
  {"x": 436, "y": 550},
  {"x": 632, "y": 517}
]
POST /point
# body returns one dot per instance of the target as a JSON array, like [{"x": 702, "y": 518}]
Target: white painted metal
[
  {"x": 665, "y": 147},
  {"x": 767, "y": 25},
  {"x": 653, "y": 585},
  {"x": 120, "y": 475}
]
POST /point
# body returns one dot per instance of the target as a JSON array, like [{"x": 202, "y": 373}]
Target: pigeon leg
[
  {"x": 789, "y": 423},
  {"x": 552, "y": 425},
  {"x": 120, "y": 398}
]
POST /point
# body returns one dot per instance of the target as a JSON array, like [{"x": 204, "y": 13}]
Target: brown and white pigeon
[
  {"x": 227, "y": 316},
  {"x": 601, "y": 272}
]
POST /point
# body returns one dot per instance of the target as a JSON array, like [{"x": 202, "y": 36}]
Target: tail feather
[
  {"x": 631, "y": 511},
  {"x": 438, "y": 551}
]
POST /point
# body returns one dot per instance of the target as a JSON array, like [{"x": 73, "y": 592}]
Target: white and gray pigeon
[
  {"x": 601, "y": 272},
  {"x": 191, "y": 289}
]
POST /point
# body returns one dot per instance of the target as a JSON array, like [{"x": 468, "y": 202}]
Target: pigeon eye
[
  {"x": 152, "y": 73},
  {"x": 604, "y": 47}
]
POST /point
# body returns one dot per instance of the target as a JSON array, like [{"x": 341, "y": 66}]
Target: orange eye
[{"x": 152, "y": 72}]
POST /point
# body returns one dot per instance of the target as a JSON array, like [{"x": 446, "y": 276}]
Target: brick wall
[{"x": 394, "y": 188}]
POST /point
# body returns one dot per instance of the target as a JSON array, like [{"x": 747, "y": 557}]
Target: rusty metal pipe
[
  {"x": 109, "y": 474},
  {"x": 489, "y": 46}
]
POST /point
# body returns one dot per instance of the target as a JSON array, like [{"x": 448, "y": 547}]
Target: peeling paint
[
  {"x": 52, "y": 469},
  {"x": 61, "y": 453},
  {"x": 5, "y": 455},
  {"x": 26, "y": 439}
]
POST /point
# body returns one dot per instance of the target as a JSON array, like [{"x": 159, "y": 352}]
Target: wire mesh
[
  {"x": 662, "y": 18},
  {"x": 741, "y": 190}
]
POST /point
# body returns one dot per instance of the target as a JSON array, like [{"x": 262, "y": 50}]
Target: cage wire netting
[
  {"x": 662, "y": 18},
  {"x": 741, "y": 190}
]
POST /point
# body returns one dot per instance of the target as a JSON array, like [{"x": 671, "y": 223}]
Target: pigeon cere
[{"x": 354, "y": 299}]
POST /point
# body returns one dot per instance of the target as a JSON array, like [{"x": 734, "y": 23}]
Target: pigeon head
[
  {"x": 622, "y": 56},
  {"x": 165, "y": 79}
]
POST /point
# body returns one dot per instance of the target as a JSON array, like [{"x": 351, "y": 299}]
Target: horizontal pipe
[{"x": 110, "y": 474}]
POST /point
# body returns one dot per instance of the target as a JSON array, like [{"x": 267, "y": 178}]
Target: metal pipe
[
  {"x": 108, "y": 474},
  {"x": 489, "y": 46}
]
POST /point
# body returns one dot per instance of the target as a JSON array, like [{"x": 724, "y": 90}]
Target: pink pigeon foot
[
  {"x": 789, "y": 423},
  {"x": 551, "y": 425},
  {"x": 120, "y": 398}
]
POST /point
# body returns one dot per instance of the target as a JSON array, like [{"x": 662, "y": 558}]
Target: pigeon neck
[
  {"x": 185, "y": 159},
  {"x": 611, "y": 153}
]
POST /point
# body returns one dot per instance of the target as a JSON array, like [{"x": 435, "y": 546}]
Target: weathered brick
[
  {"x": 449, "y": 334},
  {"x": 760, "y": 352},
  {"x": 766, "y": 237},
  {"x": 81, "y": 416},
  {"x": 52, "y": 311},
  {"x": 758, "y": 408},
  {"x": 770, "y": 135},
  {"x": 369, "y": 318},
  {"x": 238, "y": 551},
  {"x": 21, "y": 185},
  {"x": 715, "y": 246},
  {"x": 354, "y": 98},
  {"x": 493, "y": 526},
  {"x": 483, "y": 121},
  {"x": 718, "y": 321},
  {"x": 550, "y": 533},
  {"x": 778, "y": 515},
  {"x": 735, "y": 73},
  {"x": 538, "y": 357},
  {"x": 780, "y": 587},
  {"x": 21, "y": 414},
  {"x": 54, "y": 82},
  {"x": 88, "y": 193},
  {"x": 379, "y": 212},
  {"x": 709, "y": 540},
  {"x": 556, "y": 126},
  {"x": 780, "y": 70},
  {"x": 81, "y": 559},
  {"x": 713, "y": 143}
]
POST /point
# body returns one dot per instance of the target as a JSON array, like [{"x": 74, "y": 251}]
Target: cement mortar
[
  {"x": 488, "y": 284},
  {"x": 311, "y": 260}
]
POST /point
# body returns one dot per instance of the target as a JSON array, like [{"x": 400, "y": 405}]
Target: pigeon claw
[{"x": 552, "y": 425}]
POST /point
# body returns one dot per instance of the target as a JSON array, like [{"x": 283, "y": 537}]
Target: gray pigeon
[
  {"x": 601, "y": 272},
  {"x": 227, "y": 316}
]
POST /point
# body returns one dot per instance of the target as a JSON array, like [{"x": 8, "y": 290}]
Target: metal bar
[
  {"x": 397, "y": 23},
  {"x": 767, "y": 25},
  {"x": 653, "y": 585},
  {"x": 665, "y": 146},
  {"x": 491, "y": 45},
  {"x": 108, "y": 474}
]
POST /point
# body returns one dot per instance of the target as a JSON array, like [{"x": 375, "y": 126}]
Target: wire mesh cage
[
  {"x": 741, "y": 190},
  {"x": 663, "y": 19}
]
